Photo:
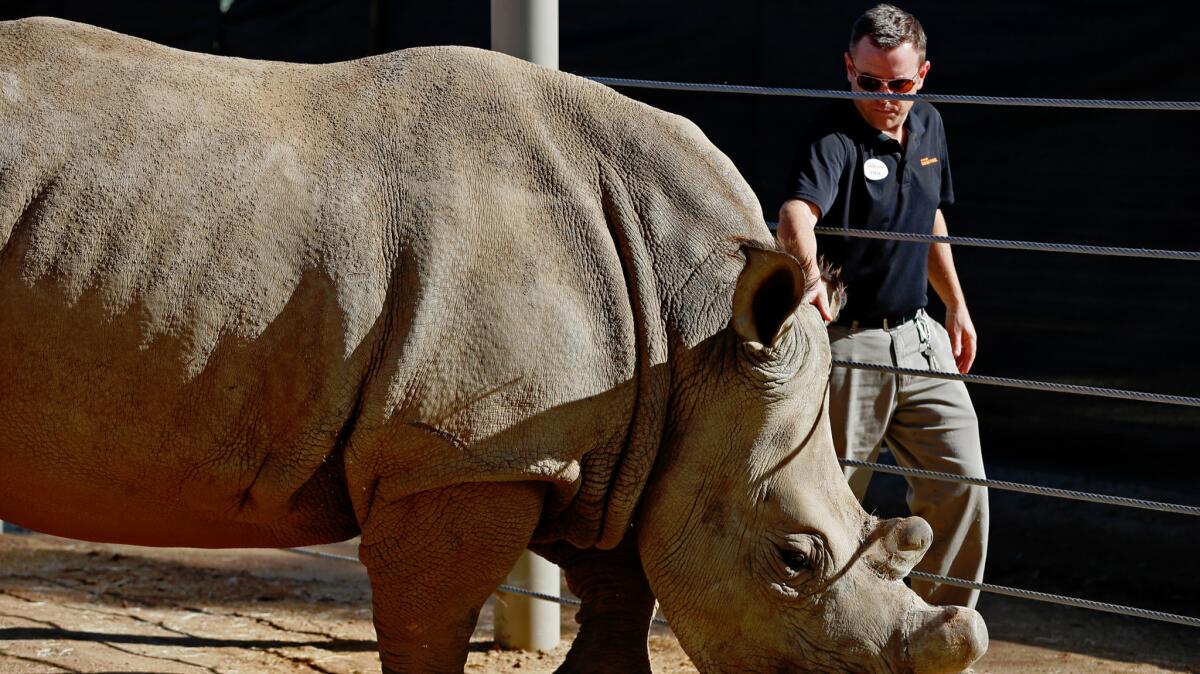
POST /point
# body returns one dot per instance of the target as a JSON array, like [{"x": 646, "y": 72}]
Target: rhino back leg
[
  {"x": 433, "y": 560},
  {"x": 617, "y": 606}
]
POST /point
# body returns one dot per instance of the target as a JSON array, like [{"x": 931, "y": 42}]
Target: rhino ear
[{"x": 769, "y": 289}]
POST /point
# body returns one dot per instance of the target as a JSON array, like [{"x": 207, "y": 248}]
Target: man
[{"x": 883, "y": 165}]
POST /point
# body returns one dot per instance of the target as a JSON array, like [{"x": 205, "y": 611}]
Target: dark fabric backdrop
[{"x": 1105, "y": 177}]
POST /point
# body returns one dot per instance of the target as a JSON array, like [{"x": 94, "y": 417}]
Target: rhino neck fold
[
  {"x": 615, "y": 474},
  {"x": 652, "y": 374}
]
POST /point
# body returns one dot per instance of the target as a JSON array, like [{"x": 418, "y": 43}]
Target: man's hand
[
  {"x": 963, "y": 340},
  {"x": 944, "y": 280},
  {"x": 795, "y": 232},
  {"x": 819, "y": 298}
]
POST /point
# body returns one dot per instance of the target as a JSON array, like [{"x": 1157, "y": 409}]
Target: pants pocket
[{"x": 943, "y": 356}]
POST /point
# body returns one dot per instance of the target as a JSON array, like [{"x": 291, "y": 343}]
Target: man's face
[{"x": 902, "y": 62}]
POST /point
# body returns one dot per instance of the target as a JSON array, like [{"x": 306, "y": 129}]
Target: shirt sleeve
[{"x": 816, "y": 170}]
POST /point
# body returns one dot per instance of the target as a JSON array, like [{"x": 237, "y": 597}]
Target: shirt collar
[{"x": 914, "y": 125}]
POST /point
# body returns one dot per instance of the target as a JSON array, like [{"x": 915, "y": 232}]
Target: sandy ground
[{"x": 67, "y": 606}]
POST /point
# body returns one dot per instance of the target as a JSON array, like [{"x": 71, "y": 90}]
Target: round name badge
[{"x": 874, "y": 169}]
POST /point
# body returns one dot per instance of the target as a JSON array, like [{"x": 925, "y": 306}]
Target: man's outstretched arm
[
  {"x": 797, "y": 218},
  {"x": 944, "y": 279}
]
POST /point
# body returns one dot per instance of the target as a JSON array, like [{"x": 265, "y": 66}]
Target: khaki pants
[{"x": 926, "y": 423}]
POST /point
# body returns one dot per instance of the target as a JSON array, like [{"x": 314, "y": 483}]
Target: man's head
[{"x": 886, "y": 54}]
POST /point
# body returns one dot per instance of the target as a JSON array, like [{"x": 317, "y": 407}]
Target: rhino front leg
[
  {"x": 433, "y": 559},
  {"x": 614, "y": 619}
]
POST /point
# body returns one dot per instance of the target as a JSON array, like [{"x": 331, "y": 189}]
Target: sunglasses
[{"x": 897, "y": 86}]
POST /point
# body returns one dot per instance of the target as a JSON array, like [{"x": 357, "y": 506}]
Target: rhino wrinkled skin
[{"x": 447, "y": 300}]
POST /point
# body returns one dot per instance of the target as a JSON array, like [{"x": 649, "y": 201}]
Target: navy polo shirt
[{"x": 862, "y": 179}]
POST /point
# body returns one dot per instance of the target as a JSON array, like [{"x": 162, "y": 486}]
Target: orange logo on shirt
[{"x": 926, "y": 161}]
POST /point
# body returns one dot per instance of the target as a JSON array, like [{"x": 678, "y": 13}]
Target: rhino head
[{"x": 762, "y": 558}]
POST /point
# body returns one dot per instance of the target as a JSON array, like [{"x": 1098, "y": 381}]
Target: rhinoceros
[{"x": 449, "y": 301}]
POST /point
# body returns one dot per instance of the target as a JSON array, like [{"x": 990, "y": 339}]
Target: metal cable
[
  {"x": 566, "y": 601},
  {"x": 1038, "y": 102},
  {"x": 1059, "y": 599},
  {"x": 322, "y": 555},
  {"x": 1078, "y": 389},
  {"x": 1125, "y": 501},
  {"x": 983, "y": 587},
  {"x": 1120, "y": 251},
  {"x": 511, "y": 589}
]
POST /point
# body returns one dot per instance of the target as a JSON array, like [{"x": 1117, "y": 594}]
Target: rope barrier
[
  {"x": 1077, "y": 389},
  {"x": 1038, "y": 102},
  {"x": 1119, "y": 251},
  {"x": 1059, "y": 599},
  {"x": 983, "y": 587},
  {"x": 1125, "y": 501}
]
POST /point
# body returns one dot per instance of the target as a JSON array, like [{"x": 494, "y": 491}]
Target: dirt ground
[{"x": 67, "y": 606}]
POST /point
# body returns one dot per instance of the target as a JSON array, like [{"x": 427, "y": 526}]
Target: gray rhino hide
[{"x": 285, "y": 291}]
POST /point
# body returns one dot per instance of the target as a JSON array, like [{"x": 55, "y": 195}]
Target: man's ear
[
  {"x": 769, "y": 289},
  {"x": 922, "y": 72}
]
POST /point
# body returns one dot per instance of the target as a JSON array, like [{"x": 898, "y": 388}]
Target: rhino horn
[
  {"x": 947, "y": 639},
  {"x": 905, "y": 542}
]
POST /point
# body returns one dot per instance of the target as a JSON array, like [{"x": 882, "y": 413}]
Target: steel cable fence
[
  {"x": 1061, "y": 600},
  {"x": 1027, "y": 384},
  {"x": 983, "y": 587},
  {"x": 1071, "y": 495},
  {"x": 1008, "y": 244},
  {"x": 1027, "y": 101}
]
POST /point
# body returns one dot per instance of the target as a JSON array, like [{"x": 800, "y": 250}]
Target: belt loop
[
  {"x": 885, "y": 322},
  {"x": 853, "y": 325}
]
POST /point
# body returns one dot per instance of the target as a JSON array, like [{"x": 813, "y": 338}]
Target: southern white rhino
[{"x": 447, "y": 300}]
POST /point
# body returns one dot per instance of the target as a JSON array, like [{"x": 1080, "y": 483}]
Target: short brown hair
[{"x": 889, "y": 27}]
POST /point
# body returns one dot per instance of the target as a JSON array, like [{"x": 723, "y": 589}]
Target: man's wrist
[{"x": 958, "y": 303}]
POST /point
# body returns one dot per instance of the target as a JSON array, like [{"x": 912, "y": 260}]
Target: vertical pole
[
  {"x": 374, "y": 28},
  {"x": 528, "y": 29},
  {"x": 525, "y": 623}
]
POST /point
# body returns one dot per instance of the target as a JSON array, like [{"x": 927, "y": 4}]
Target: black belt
[{"x": 877, "y": 321}]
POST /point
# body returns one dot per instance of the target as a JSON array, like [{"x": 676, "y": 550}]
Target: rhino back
[{"x": 200, "y": 188}]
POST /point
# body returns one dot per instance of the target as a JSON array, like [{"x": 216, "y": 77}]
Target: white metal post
[
  {"x": 525, "y": 623},
  {"x": 528, "y": 29}
]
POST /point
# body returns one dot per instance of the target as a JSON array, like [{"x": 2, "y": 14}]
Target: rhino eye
[{"x": 795, "y": 560}]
